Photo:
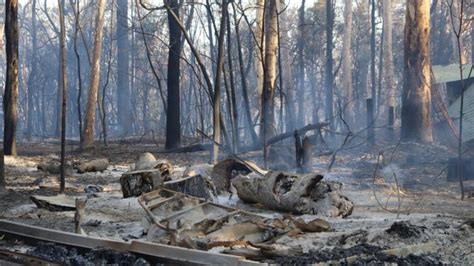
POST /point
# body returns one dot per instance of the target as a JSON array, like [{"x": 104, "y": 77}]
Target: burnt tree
[
  {"x": 416, "y": 96},
  {"x": 173, "y": 123},
  {"x": 10, "y": 95}
]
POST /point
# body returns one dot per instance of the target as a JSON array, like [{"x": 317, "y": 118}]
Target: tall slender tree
[
  {"x": 347, "y": 61},
  {"x": 123, "y": 62},
  {"x": 10, "y": 95},
  {"x": 329, "y": 62},
  {"x": 217, "y": 84},
  {"x": 388, "y": 63},
  {"x": 63, "y": 87},
  {"x": 33, "y": 71},
  {"x": 301, "y": 64},
  {"x": 88, "y": 133},
  {"x": 416, "y": 97},
  {"x": 267, "y": 119},
  {"x": 173, "y": 123}
]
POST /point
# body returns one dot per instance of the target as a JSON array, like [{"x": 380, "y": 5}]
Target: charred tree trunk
[
  {"x": 217, "y": 85},
  {"x": 173, "y": 123},
  {"x": 63, "y": 86},
  {"x": 416, "y": 98},
  {"x": 301, "y": 68},
  {"x": 33, "y": 72},
  {"x": 267, "y": 120},
  {"x": 88, "y": 134},
  {"x": 347, "y": 63},
  {"x": 243, "y": 78},
  {"x": 388, "y": 71},
  {"x": 235, "y": 114},
  {"x": 123, "y": 60},
  {"x": 329, "y": 63},
  {"x": 11, "y": 85},
  {"x": 260, "y": 44}
]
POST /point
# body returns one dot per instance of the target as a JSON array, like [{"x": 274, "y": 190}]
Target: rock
[
  {"x": 145, "y": 161},
  {"x": 98, "y": 165},
  {"x": 54, "y": 168}
]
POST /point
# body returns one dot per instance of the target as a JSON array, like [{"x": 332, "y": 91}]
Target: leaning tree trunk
[
  {"x": 88, "y": 139},
  {"x": 10, "y": 95},
  {"x": 123, "y": 59},
  {"x": 173, "y": 123},
  {"x": 416, "y": 98},
  {"x": 267, "y": 121}
]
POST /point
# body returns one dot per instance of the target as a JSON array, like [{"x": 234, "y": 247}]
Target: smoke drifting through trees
[{"x": 213, "y": 66}]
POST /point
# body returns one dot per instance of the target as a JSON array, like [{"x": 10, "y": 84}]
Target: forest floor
[{"x": 422, "y": 209}]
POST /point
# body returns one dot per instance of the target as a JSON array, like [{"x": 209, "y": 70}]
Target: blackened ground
[
  {"x": 368, "y": 255},
  {"x": 71, "y": 256}
]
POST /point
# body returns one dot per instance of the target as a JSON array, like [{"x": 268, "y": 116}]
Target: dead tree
[
  {"x": 2, "y": 171},
  {"x": 217, "y": 85},
  {"x": 301, "y": 69},
  {"x": 267, "y": 121},
  {"x": 88, "y": 133},
  {"x": 33, "y": 71},
  {"x": 458, "y": 31},
  {"x": 173, "y": 123},
  {"x": 10, "y": 95},
  {"x": 347, "y": 62},
  {"x": 416, "y": 97},
  {"x": 243, "y": 78},
  {"x": 329, "y": 62},
  {"x": 388, "y": 71},
  {"x": 63, "y": 86},
  {"x": 123, "y": 59}
]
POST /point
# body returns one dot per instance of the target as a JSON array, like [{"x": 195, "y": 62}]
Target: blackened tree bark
[
  {"x": 217, "y": 84},
  {"x": 243, "y": 78},
  {"x": 10, "y": 95},
  {"x": 388, "y": 63},
  {"x": 88, "y": 134},
  {"x": 301, "y": 69},
  {"x": 347, "y": 63},
  {"x": 267, "y": 120},
  {"x": 173, "y": 123},
  {"x": 329, "y": 62},
  {"x": 416, "y": 97},
  {"x": 235, "y": 113},
  {"x": 123, "y": 61},
  {"x": 32, "y": 76},
  {"x": 63, "y": 86}
]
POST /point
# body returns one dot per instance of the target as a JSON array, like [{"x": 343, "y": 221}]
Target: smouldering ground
[{"x": 423, "y": 197}]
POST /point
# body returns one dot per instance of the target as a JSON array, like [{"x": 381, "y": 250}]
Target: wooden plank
[{"x": 158, "y": 251}]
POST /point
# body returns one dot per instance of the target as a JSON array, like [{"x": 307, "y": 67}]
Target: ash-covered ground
[{"x": 400, "y": 192}]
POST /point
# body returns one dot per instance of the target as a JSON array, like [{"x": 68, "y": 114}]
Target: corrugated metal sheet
[
  {"x": 468, "y": 118},
  {"x": 449, "y": 73}
]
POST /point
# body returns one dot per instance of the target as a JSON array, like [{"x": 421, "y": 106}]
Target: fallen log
[
  {"x": 299, "y": 194},
  {"x": 54, "y": 168},
  {"x": 254, "y": 147},
  {"x": 97, "y": 165},
  {"x": 224, "y": 171},
  {"x": 57, "y": 203}
]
